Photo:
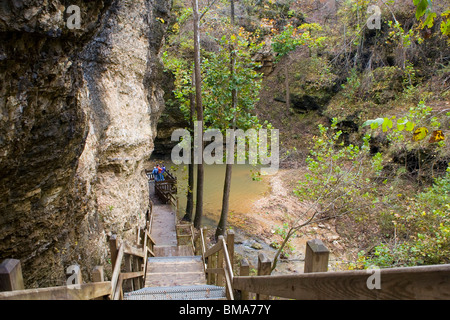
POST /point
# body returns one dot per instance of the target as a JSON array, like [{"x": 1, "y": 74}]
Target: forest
[
  {"x": 359, "y": 91},
  {"x": 224, "y": 149}
]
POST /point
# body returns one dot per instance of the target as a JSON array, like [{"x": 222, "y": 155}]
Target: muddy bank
[{"x": 259, "y": 229}]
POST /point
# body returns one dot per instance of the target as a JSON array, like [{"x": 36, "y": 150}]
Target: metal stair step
[{"x": 196, "y": 292}]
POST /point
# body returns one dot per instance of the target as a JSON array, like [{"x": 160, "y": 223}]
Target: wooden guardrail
[
  {"x": 132, "y": 257},
  {"x": 218, "y": 260},
  {"x": 411, "y": 283},
  {"x": 166, "y": 191},
  {"x": 11, "y": 283},
  {"x": 167, "y": 174},
  {"x": 185, "y": 234},
  {"x": 407, "y": 283},
  {"x": 134, "y": 260}
]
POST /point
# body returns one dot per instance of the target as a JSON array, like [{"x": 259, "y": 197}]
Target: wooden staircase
[
  {"x": 175, "y": 268},
  {"x": 176, "y": 274},
  {"x": 174, "y": 271}
]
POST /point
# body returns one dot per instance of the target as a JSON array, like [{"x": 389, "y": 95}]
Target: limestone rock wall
[{"x": 78, "y": 115}]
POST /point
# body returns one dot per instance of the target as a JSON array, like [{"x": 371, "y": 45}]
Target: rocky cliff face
[{"x": 78, "y": 115}]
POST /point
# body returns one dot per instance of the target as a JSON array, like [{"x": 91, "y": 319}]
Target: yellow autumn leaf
[
  {"x": 437, "y": 136},
  {"x": 420, "y": 133}
]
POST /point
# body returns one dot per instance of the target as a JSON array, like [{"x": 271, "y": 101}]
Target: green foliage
[
  {"x": 445, "y": 24},
  {"x": 346, "y": 180},
  {"x": 426, "y": 15},
  {"x": 340, "y": 178},
  {"x": 283, "y": 232},
  {"x": 290, "y": 38},
  {"x": 351, "y": 87},
  {"x": 405, "y": 38},
  {"x": 401, "y": 130},
  {"x": 219, "y": 82},
  {"x": 182, "y": 72},
  {"x": 422, "y": 230}
]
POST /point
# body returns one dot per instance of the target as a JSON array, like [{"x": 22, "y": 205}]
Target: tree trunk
[
  {"x": 190, "y": 186},
  {"x": 199, "y": 107},
  {"x": 222, "y": 226},
  {"x": 286, "y": 81}
]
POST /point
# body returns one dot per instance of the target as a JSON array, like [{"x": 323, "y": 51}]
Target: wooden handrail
[
  {"x": 214, "y": 249},
  {"x": 85, "y": 291},
  {"x": 424, "y": 282},
  {"x": 138, "y": 251},
  {"x": 228, "y": 268},
  {"x": 165, "y": 190},
  {"x": 146, "y": 248},
  {"x": 129, "y": 249},
  {"x": 116, "y": 270},
  {"x": 202, "y": 248}
]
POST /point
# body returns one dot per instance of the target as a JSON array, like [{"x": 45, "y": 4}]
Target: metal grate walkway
[{"x": 196, "y": 292}]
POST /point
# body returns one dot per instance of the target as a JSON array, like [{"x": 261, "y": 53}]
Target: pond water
[{"x": 244, "y": 189}]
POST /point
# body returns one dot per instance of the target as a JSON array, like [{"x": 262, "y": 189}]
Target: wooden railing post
[
  {"x": 212, "y": 263},
  {"x": 113, "y": 247},
  {"x": 98, "y": 276},
  {"x": 11, "y": 275},
  {"x": 264, "y": 269},
  {"x": 219, "y": 265},
  {"x": 138, "y": 236},
  {"x": 316, "y": 256},
  {"x": 128, "y": 285},
  {"x": 205, "y": 231},
  {"x": 244, "y": 271},
  {"x": 230, "y": 246}
]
